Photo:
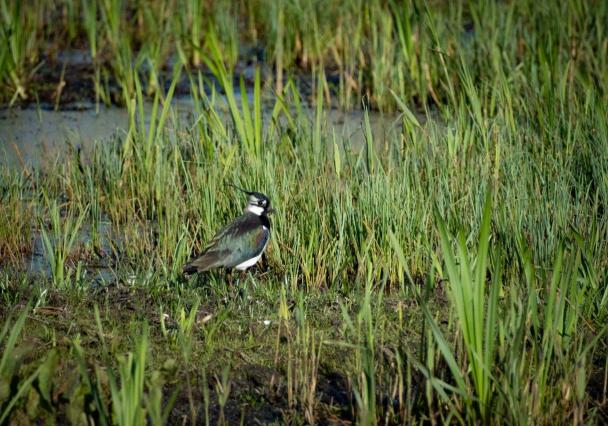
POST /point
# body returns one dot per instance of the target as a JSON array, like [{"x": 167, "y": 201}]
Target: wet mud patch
[{"x": 67, "y": 79}]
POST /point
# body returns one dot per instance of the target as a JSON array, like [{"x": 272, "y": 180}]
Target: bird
[{"x": 240, "y": 244}]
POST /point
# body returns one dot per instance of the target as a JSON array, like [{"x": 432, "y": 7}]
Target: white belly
[{"x": 248, "y": 263}]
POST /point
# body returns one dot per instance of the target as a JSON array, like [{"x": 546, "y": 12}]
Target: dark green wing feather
[{"x": 241, "y": 240}]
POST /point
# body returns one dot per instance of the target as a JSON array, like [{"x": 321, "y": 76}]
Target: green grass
[
  {"x": 370, "y": 48},
  {"x": 455, "y": 274}
]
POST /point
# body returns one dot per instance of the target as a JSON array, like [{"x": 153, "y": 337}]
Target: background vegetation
[{"x": 455, "y": 274}]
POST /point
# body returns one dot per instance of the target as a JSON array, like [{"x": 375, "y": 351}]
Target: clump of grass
[
  {"x": 128, "y": 396},
  {"x": 59, "y": 242},
  {"x": 134, "y": 397},
  {"x": 247, "y": 120},
  {"x": 11, "y": 388},
  {"x": 302, "y": 357},
  {"x": 476, "y": 313},
  {"x": 18, "y": 47},
  {"x": 15, "y": 219},
  {"x": 365, "y": 383}
]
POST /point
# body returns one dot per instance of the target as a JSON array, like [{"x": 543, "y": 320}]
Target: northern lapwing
[{"x": 240, "y": 244}]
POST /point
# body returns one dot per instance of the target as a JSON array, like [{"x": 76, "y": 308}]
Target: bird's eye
[{"x": 261, "y": 203}]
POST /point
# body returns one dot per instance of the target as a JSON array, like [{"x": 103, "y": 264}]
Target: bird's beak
[{"x": 270, "y": 211}]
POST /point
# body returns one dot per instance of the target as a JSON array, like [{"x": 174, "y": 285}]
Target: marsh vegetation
[{"x": 451, "y": 273}]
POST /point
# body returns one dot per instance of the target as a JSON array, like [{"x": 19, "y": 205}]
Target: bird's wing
[{"x": 241, "y": 240}]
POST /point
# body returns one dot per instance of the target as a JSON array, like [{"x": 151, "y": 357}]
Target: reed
[
  {"x": 59, "y": 242},
  {"x": 454, "y": 273}
]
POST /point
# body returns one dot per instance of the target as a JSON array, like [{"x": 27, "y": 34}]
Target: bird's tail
[{"x": 189, "y": 268}]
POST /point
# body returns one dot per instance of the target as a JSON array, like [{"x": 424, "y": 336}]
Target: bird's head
[{"x": 257, "y": 203}]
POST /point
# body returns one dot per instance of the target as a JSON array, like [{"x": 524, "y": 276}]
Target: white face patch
[{"x": 257, "y": 210}]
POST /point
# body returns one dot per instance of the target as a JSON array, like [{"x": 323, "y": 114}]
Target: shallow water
[
  {"x": 96, "y": 269},
  {"x": 30, "y": 137}
]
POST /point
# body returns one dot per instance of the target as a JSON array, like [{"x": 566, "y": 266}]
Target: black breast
[{"x": 265, "y": 221}]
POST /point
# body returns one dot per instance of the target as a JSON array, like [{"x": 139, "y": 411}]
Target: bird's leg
[
  {"x": 242, "y": 283},
  {"x": 235, "y": 289},
  {"x": 229, "y": 276}
]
